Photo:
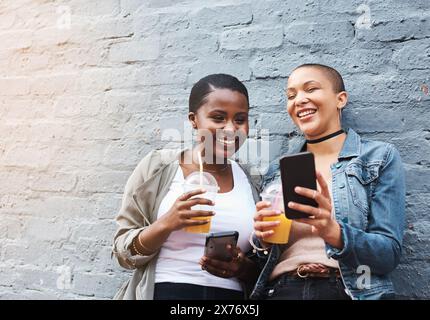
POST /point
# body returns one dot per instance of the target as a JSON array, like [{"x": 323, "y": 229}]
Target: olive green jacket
[{"x": 144, "y": 191}]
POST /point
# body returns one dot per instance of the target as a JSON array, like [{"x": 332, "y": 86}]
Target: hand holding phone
[
  {"x": 216, "y": 245},
  {"x": 297, "y": 170}
]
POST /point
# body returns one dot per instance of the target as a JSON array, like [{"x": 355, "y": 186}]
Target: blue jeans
[
  {"x": 287, "y": 287},
  {"x": 186, "y": 291}
]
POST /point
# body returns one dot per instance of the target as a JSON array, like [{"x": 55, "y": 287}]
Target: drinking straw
[
  {"x": 277, "y": 199},
  {"x": 199, "y": 155}
]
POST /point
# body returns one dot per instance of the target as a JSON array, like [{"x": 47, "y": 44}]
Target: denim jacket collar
[{"x": 351, "y": 146}]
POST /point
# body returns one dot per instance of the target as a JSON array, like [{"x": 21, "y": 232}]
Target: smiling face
[
  {"x": 222, "y": 121},
  {"x": 313, "y": 104}
]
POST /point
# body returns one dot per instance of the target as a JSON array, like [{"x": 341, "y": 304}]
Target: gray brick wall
[{"x": 87, "y": 87}]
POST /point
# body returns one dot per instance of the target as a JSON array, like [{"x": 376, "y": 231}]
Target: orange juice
[
  {"x": 281, "y": 232},
  {"x": 201, "y": 180},
  {"x": 273, "y": 193},
  {"x": 204, "y": 228}
]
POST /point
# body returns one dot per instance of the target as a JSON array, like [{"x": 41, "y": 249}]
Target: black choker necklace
[{"x": 331, "y": 135}]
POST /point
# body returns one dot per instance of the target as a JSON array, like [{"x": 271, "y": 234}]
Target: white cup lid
[
  {"x": 206, "y": 181},
  {"x": 272, "y": 189}
]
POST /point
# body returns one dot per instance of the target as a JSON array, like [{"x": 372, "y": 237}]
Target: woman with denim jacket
[
  {"x": 168, "y": 262},
  {"x": 351, "y": 242}
]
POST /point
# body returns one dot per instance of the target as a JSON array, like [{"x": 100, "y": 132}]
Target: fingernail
[
  {"x": 278, "y": 211},
  {"x": 297, "y": 189},
  {"x": 228, "y": 246},
  {"x": 268, "y": 203},
  {"x": 203, "y": 190},
  {"x": 291, "y": 204}
]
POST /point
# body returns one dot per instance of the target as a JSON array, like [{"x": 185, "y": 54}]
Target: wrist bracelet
[
  {"x": 142, "y": 245},
  {"x": 135, "y": 247},
  {"x": 255, "y": 248}
]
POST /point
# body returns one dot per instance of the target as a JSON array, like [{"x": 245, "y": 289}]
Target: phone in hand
[
  {"x": 216, "y": 244},
  {"x": 297, "y": 170}
]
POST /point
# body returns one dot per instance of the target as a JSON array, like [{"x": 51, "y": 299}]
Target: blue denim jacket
[{"x": 368, "y": 189}]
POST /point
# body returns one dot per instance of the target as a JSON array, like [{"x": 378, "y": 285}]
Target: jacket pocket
[{"x": 361, "y": 179}]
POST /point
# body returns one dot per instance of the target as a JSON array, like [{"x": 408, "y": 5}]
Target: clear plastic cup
[
  {"x": 273, "y": 194},
  {"x": 209, "y": 183}
]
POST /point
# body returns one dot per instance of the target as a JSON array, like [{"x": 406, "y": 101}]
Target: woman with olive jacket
[{"x": 168, "y": 261}]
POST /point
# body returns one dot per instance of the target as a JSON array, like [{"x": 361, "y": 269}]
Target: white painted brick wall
[{"x": 81, "y": 104}]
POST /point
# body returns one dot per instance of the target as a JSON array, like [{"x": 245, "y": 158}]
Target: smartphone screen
[
  {"x": 216, "y": 244},
  {"x": 297, "y": 170}
]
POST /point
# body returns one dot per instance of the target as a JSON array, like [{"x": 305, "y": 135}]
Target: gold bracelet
[
  {"x": 142, "y": 245},
  {"x": 255, "y": 248},
  {"x": 135, "y": 248}
]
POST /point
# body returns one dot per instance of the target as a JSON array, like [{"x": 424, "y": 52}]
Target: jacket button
[
  {"x": 345, "y": 220},
  {"x": 338, "y": 165},
  {"x": 342, "y": 185}
]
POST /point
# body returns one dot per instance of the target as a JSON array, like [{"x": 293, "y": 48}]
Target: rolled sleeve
[
  {"x": 347, "y": 240},
  {"x": 122, "y": 252},
  {"x": 131, "y": 220}
]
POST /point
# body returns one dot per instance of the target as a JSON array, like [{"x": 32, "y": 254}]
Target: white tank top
[{"x": 179, "y": 256}]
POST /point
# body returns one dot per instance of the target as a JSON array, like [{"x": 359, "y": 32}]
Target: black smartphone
[
  {"x": 216, "y": 244},
  {"x": 297, "y": 170}
]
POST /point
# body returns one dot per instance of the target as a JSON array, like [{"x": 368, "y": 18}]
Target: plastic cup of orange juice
[
  {"x": 273, "y": 194},
  {"x": 201, "y": 181}
]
